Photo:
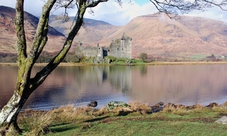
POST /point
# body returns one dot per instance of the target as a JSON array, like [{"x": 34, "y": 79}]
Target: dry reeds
[
  {"x": 140, "y": 107},
  {"x": 224, "y": 104},
  {"x": 35, "y": 122},
  {"x": 72, "y": 113}
]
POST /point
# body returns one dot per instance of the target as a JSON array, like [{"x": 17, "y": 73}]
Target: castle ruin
[{"x": 119, "y": 48}]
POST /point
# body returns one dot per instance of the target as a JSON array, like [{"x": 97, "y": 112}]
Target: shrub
[{"x": 143, "y": 56}]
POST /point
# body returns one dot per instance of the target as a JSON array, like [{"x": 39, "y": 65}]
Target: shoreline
[
  {"x": 158, "y": 107},
  {"x": 151, "y": 63}
]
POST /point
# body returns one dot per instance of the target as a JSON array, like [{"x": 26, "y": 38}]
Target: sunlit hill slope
[{"x": 156, "y": 34}]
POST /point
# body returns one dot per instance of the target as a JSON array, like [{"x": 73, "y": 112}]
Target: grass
[
  {"x": 136, "y": 120},
  {"x": 157, "y": 124},
  {"x": 125, "y": 61},
  {"x": 198, "y": 56}
]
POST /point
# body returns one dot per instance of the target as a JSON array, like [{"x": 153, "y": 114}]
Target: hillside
[
  {"x": 156, "y": 34},
  {"x": 159, "y": 36},
  {"x": 8, "y": 36},
  {"x": 90, "y": 33}
]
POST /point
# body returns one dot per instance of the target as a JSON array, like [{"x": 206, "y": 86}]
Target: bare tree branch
[
  {"x": 220, "y": 5},
  {"x": 184, "y": 6},
  {"x": 42, "y": 75},
  {"x": 41, "y": 31},
  {"x": 66, "y": 4},
  {"x": 91, "y": 3}
]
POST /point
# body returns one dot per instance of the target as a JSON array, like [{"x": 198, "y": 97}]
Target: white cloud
[
  {"x": 212, "y": 13},
  {"x": 114, "y": 14},
  {"x": 110, "y": 11},
  {"x": 32, "y": 6},
  {"x": 9, "y": 3}
]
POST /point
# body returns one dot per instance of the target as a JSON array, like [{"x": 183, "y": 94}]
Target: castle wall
[
  {"x": 89, "y": 51},
  {"x": 100, "y": 53}
]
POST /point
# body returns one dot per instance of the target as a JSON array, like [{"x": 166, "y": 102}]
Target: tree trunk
[
  {"x": 25, "y": 84},
  {"x": 10, "y": 111}
]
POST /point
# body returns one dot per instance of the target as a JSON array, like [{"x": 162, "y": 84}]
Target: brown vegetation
[{"x": 36, "y": 122}]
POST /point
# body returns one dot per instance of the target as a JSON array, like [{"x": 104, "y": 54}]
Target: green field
[{"x": 138, "y": 121}]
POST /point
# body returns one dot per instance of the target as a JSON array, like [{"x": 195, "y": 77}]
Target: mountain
[
  {"x": 155, "y": 34},
  {"x": 158, "y": 35},
  {"x": 90, "y": 33},
  {"x": 185, "y": 36},
  {"x": 8, "y": 34}
]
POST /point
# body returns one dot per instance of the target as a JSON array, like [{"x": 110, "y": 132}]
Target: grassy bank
[{"x": 136, "y": 120}]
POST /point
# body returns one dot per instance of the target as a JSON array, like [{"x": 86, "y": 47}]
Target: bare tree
[
  {"x": 185, "y": 6},
  {"x": 26, "y": 84}
]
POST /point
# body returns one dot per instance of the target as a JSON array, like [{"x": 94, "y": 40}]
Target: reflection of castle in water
[
  {"x": 119, "y": 77},
  {"x": 150, "y": 84},
  {"x": 82, "y": 84}
]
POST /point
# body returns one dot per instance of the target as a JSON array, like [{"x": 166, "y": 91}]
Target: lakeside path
[{"x": 151, "y": 63}]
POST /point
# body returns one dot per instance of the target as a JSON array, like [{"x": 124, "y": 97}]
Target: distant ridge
[
  {"x": 90, "y": 33},
  {"x": 155, "y": 34},
  {"x": 8, "y": 37},
  {"x": 186, "y": 36}
]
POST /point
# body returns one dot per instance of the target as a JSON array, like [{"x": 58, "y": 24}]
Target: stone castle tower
[{"x": 121, "y": 48}]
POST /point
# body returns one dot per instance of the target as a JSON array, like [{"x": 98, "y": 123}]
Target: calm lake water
[{"x": 78, "y": 85}]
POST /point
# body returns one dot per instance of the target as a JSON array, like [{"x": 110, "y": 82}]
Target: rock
[
  {"x": 211, "y": 105},
  {"x": 114, "y": 104},
  {"x": 171, "y": 105},
  {"x": 93, "y": 104},
  {"x": 161, "y": 104},
  {"x": 222, "y": 120},
  {"x": 157, "y": 107}
]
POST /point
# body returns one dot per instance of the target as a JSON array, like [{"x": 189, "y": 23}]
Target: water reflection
[
  {"x": 186, "y": 84},
  {"x": 7, "y": 83},
  {"x": 81, "y": 85}
]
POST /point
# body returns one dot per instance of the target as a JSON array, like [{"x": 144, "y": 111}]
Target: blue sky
[
  {"x": 141, "y": 2},
  {"x": 114, "y": 14}
]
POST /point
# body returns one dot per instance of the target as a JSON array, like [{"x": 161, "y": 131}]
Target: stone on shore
[
  {"x": 157, "y": 107},
  {"x": 93, "y": 104},
  {"x": 222, "y": 120}
]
